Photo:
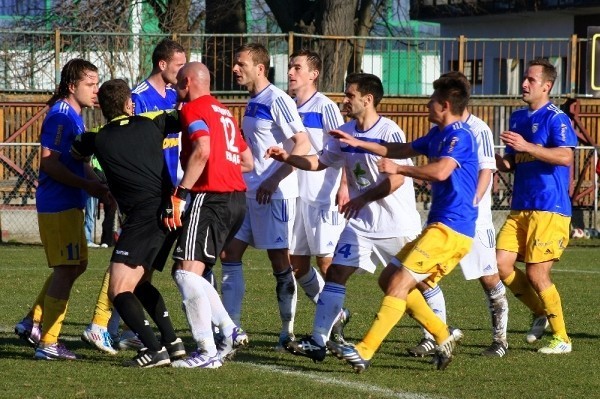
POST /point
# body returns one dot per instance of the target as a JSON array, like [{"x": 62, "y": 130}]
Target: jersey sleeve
[
  {"x": 485, "y": 149},
  {"x": 139, "y": 106},
  {"x": 57, "y": 132},
  {"x": 332, "y": 118},
  {"x": 167, "y": 121},
  {"x": 458, "y": 146},
  {"x": 195, "y": 124},
  {"x": 285, "y": 115},
  {"x": 560, "y": 132},
  {"x": 421, "y": 145}
]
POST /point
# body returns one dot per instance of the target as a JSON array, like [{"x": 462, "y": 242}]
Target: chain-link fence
[{"x": 19, "y": 164}]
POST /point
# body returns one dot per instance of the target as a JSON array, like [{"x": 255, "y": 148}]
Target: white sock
[
  {"x": 286, "y": 299},
  {"x": 233, "y": 288},
  {"x": 220, "y": 317},
  {"x": 436, "y": 301},
  {"x": 498, "y": 305},
  {"x": 312, "y": 283},
  {"x": 329, "y": 306},
  {"x": 197, "y": 309}
]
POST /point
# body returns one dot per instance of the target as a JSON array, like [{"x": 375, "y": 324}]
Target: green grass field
[{"x": 260, "y": 372}]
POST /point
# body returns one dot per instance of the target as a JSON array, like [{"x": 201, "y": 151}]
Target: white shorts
[
  {"x": 316, "y": 232},
  {"x": 481, "y": 260},
  {"x": 366, "y": 253},
  {"x": 268, "y": 226}
]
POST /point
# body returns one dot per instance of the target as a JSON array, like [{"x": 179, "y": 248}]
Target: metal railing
[{"x": 31, "y": 61}]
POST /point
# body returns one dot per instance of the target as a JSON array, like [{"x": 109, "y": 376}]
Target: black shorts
[
  {"x": 141, "y": 239},
  {"x": 211, "y": 220}
]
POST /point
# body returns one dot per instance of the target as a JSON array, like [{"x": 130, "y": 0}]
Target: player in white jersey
[
  {"x": 480, "y": 262},
  {"x": 270, "y": 119},
  {"x": 381, "y": 214},
  {"x": 318, "y": 223}
]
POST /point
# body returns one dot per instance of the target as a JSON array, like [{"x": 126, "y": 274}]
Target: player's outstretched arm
[
  {"x": 304, "y": 162},
  {"x": 438, "y": 170},
  {"x": 389, "y": 150}
]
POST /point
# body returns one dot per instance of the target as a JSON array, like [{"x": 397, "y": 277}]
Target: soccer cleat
[
  {"x": 55, "y": 351},
  {"x": 307, "y": 347},
  {"x": 147, "y": 359},
  {"x": 129, "y": 340},
  {"x": 337, "y": 331},
  {"x": 496, "y": 349},
  {"x": 443, "y": 352},
  {"x": 349, "y": 353},
  {"x": 229, "y": 345},
  {"x": 29, "y": 331},
  {"x": 176, "y": 349},
  {"x": 424, "y": 348},
  {"x": 91, "y": 244},
  {"x": 456, "y": 333},
  {"x": 283, "y": 342},
  {"x": 557, "y": 346},
  {"x": 537, "y": 328},
  {"x": 99, "y": 338},
  {"x": 199, "y": 360}
]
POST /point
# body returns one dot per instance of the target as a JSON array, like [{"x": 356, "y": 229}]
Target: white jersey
[
  {"x": 320, "y": 115},
  {"x": 270, "y": 119},
  {"x": 393, "y": 216},
  {"x": 485, "y": 155}
]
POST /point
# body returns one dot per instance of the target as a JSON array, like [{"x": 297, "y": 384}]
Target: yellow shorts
[
  {"x": 536, "y": 236},
  {"x": 436, "y": 251},
  {"x": 63, "y": 237}
]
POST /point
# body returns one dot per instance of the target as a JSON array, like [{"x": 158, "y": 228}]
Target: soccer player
[
  {"x": 60, "y": 199},
  {"x": 270, "y": 119},
  {"x": 153, "y": 94},
  {"x": 129, "y": 149},
  {"x": 480, "y": 262},
  {"x": 318, "y": 223},
  {"x": 448, "y": 236},
  {"x": 382, "y": 215},
  {"x": 214, "y": 155},
  {"x": 539, "y": 150}
]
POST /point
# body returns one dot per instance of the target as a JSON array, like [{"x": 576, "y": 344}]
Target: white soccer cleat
[
  {"x": 98, "y": 337},
  {"x": 557, "y": 346},
  {"x": 130, "y": 341},
  {"x": 539, "y": 325}
]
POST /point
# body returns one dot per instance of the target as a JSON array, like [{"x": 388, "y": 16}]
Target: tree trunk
[
  {"x": 335, "y": 18},
  {"x": 223, "y": 16}
]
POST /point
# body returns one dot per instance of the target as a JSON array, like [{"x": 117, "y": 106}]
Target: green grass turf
[{"x": 260, "y": 372}]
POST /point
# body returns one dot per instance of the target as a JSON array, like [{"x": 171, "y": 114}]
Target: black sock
[
  {"x": 132, "y": 313},
  {"x": 154, "y": 304}
]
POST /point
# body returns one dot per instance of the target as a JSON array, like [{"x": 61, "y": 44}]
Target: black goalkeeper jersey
[{"x": 130, "y": 151}]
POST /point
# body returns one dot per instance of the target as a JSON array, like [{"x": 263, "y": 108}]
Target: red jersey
[{"x": 205, "y": 116}]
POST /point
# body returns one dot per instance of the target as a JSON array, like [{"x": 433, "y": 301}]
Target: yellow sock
[
  {"x": 417, "y": 308},
  {"x": 54, "y": 314},
  {"x": 391, "y": 311},
  {"x": 103, "y": 309},
  {"x": 553, "y": 308},
  {"x": 518, "y": 283},
  {"x": 38, "y": 307}
]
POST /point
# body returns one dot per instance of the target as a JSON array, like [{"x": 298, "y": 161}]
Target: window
[{"x": 473, "y": 70}]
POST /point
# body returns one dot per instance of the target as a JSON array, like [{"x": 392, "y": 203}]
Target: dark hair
[
  {"x": 112, "y": 96},
  {"x": 164, "y": 50},
  {"x": 548, "y": 70},
  {"x": 312, "y": 59},
  {"x": 367, "y": 83},
  {"x": 454, "y": 90},
  {"x": 259, "y": 54},
  {"x": 458, "y": 75},
  {"x": 73, "y": 72}
]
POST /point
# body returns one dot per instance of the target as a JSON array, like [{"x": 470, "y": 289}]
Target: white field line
[
  {"x": 357, "y": 386},
  {"x": 312, "y": 377}
]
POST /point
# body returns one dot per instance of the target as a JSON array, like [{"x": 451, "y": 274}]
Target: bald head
[{"x": 193, "y": 81}]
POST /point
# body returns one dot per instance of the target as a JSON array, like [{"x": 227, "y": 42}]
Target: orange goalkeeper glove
[{"x": 172, "y": 214}]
